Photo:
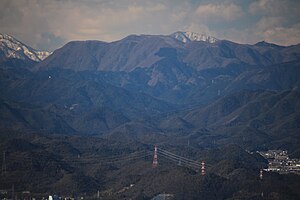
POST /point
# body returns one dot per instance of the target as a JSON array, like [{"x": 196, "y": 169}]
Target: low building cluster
[{"x": 280, "y": 162}]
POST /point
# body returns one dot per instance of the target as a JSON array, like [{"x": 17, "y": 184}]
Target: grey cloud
[
  {"x": 9, "y": 13},
  {"x": 286, "y": 12},
  {"x": 219, "y": 12},
  {"x": 49, "y": 40},
  {"x": 46, "y": 24},
  {"x": 279, "y": 20}
]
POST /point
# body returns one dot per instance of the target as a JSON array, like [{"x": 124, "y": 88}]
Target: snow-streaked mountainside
[
  {"x": 12, "y": 48},
  {"x": 190, "y": 36}
]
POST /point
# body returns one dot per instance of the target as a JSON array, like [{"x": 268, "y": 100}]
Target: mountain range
[
  {"x": 194, "y": 94},
  {"x": 162, "y": 85}
]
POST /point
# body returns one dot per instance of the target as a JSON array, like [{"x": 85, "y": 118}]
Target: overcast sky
[{"x": 49, "y": 24}]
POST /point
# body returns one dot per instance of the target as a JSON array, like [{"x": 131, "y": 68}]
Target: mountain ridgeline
[{"x": 176, "y": 85}]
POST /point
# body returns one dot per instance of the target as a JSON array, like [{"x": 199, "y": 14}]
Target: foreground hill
[{"x": 82, "y": 166}]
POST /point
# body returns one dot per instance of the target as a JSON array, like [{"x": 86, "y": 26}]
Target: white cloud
[{"x": 219, "y": 12}]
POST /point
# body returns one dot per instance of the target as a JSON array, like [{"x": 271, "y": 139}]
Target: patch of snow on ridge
[{"x": 191, "y": 36}]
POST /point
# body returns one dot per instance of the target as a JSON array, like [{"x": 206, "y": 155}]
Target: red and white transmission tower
[
  {"x": 155, "y": 163},
  {"x": 203, "y": 168}
]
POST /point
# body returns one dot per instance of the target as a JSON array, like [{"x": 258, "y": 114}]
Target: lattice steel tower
[{"x": 155, "y": 162}]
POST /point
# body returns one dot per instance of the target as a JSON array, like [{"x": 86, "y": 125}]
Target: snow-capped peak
[
  {"x": 12, "y": 48},
  {"x": 191, "y": 36}
]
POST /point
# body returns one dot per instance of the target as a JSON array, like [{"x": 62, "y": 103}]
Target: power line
[
  {"x": 119, "y": 159},
  {"x": 103, "y": 160},
  {"x": 183, "y": 163},
  {"x": 184, "y": 158},
  {"x": 180, "y": 159},
  {"x": 117, "y": 156}
]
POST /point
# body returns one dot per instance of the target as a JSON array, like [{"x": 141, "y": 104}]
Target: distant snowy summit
[
  {"x": 12, "y": 48},
  {"x": 190, "y": 36}
]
